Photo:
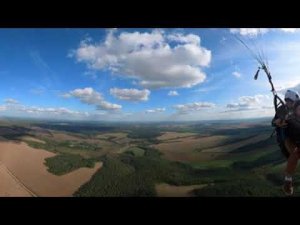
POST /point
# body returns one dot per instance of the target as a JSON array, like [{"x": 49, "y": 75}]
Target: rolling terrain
[{"x": 233, "y": 158}]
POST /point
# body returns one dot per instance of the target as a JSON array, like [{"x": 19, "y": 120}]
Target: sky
[{"x": 144, "y": 74}]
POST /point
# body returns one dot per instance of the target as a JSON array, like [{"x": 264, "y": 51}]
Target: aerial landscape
[
  {"x": 144, "y": 112},
  {"x": 176, "y": 160}
]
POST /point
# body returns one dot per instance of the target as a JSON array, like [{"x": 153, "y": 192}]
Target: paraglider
[{"x": 286, "y": 121}]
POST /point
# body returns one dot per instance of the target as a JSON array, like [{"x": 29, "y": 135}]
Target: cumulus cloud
[
  {"x": 195, "y": 106},
  {"x": 253, "y": 32},
  {"x": 190, "y": 38},
  {"x": 173, "y": 93},
  {"x": 85, "y": 95},
  {"x": 156, "y": 110},
  {"x": 236, "y": 74},
  {"x": 91, "y": 97},
  {"x": 104, "y": 105},
  {"x": 11, "y": 101},
  {"x": 250, "y": 103},
  {"x": 130, "y": 94},
  {"x": 50, "y": 110},
  {"x": 148, "y": 57},
  {"x": 41, "y": 111}
]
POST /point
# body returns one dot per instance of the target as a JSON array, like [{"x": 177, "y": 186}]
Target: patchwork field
[
  {"x": 197, "y": 148},
  {"x": 29, "y": 138},
  {"x": 27, "y": 165},
  {"x": 164, "y": 160},
  {"x": 238, "y": 144},
  {"x": 174, "y": 135},
  {"x": 184, "y": 148}
]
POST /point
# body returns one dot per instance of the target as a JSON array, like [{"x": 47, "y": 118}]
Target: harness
[{"x": 280, "y": 110}]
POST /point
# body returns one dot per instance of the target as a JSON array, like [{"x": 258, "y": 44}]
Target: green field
[{"x": 136, "y": 151}]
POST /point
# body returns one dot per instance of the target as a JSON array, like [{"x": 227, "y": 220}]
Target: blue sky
[{"x": 143, "y": 74}]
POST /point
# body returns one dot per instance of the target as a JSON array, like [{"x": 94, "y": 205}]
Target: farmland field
[{"x": 181, "y": 160}]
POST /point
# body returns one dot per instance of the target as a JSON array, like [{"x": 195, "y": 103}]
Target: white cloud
[
  {"x": 130, "y": 94},
  {"x": 195, "y": 106},
  {"x": 149, "y": 58},
  {"x": 289, "y": 30},
  {"x": 288, "y": 86},
  {"x": 11, "y": 101},
  {"x": 156, "y": 110},
  {"x": 41, "y": 111},
  {"x": 173, "y": 93},
  {"x": 250, "y": 103},
  {"x": 206, "y": 89},
  {"x": 91, "y": 97},
  {"x": 190, "y": 38},
  {"x": 104, "y": 105},
  {"x": 252, "y": 32},
  {"x": 50, "y": 110},
  {"x": 86, "y": 95},
  {"x": 236, "y": 74}
]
